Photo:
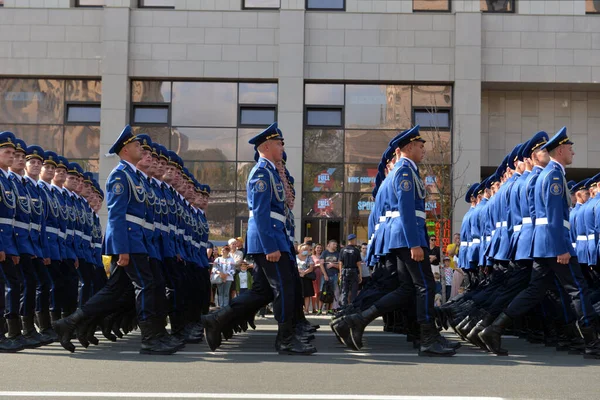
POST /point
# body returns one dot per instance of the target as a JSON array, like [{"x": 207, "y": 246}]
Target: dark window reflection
[
  {"x": 322, "y": 205},
  {"x": 432, "y": 96},
  {"x": 83, "y": 90},
  {"x": 258, "y": 93},
  {"x": 324, "y": 117},
  {"x": 221, "y": 212},
  {"x": 325, "y": 4},
  {"x": 49, "y": 137},
  {"x": 219, "y": 175},
  {"x": 358, "y": 208},
  {"x": 321, "y": 145},
  {"x": 82, "y": 142},
  {"x": 31, "y": 101},
  {"x": 243, "y": 170},
  {"x": 257, "y": 116},
  {"x": 378, "y": 106},
  {"x": 151, "y": 114},
  {"x": 366, "y": 146},
  {"x": 360, "y": 177},
  {"x": 204, "y": 104},
  {"x": 323, "y": 177},
  {"x": 151, "y": 91},
  {"x": 432, "y": 118},
  {"x": 324, "y": 94},
  {"x": 204, "y": 143},
  {"x": 83, "y": 114},
  {"x": 431, "y": 5},
  {"x": 159, "y": 134}
]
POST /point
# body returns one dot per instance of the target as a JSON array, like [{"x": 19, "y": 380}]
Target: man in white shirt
[{"x": 237, "y": 255}]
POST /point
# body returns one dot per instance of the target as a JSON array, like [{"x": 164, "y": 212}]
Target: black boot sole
[
  {"x": 591, "y": 356},
  {"x": 293, "y": 353},
  {"x": 158, "y": 353},
  {"x": 428, "y": 354}
]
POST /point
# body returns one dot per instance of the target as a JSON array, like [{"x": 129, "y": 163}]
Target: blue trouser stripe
[
  {"x": 8, "y": 291},
  {"x": 426, "y": 292},
  {"x": 281, "y": 295},
  {"x": 581, "y": 299},
  {"x": 142, "y": 288}
]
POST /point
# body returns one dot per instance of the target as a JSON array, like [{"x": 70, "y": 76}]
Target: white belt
[
  {"x": 464, "y": 244},
  {"x": 388, "y": 214},
  {"x": 36, "y": 227},
  {"x": 62, "y": 235},
  {"x": 164, "y": 228},
  {"x": 476, "y": 241},
  {"x": 187, "y": 238},
  {"x": 292, "y": 239},
  {"x": 69, "y": 232},
  {"x": 382, "y": 219},
  {"x": 470, "y": 244},
  {"x": 498, "y": 224},
  {"x": 98, "y": 245},
  {"x": 172, "y": 228},
  {"x": 203, "y": 244},
  {"x": 149, "y": 226},
  {"x": 195, "y": 244},
  {"x": 544, "y": 221},
  {"x": 87, "y": 238},
  {"x": 504, "y": 224},
  {"x": 488, "y": 238},
  {"x": 273, "y": 215},
  {"x": 582, "y": 237},
  {"x": 376, "y": 226},
  {"x": 157, "y": 226},
  {"x": 418, "y": 214},
  {"x": 50, "y": 229},
  {"x": 6, "y": 221},
  {"x": 526, "y": 220},
  {"x": 574, "y": 245},
  {"x": 493, "y": 232},
  {"x": 135, "y": 220},
  {"x": 517, "y": 228},
  {"x": 180, "y": 231},
  {"x": 78, "y": 233},
  {"x": 22, "y": 225},
  {"x": 591, "y": 237}
]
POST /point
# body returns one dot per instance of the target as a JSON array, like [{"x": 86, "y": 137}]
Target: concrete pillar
[
  {"x": 467, "y": 110},
  {"x": 291, "y": 99}
]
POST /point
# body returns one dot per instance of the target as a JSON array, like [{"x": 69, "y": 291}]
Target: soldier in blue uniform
[
  {"x": 552, "y": 252},
  {"x": 268, "y": 242}
]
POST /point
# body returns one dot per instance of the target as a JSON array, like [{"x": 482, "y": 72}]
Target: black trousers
[
  {"x": 192, "y": 294},
  {"x": 57, "y": 286},
  {"x": 415, "y": 279},
  {"x": 28, "y": 285},
  {"x": 42, "y": 287},
  {"x": 516, "y": 281},
  {"x": 11, "y": 283},
  {"x": 98, "y": 278},
  {"x": 85, "y": 273},
  {"x": 383, "y": 281},
  {"x": 349, "y": 285},
  {"x": 542, "y": 278},
  {"x": 71, "y": 283},
  {"x": 271, "y": 281},
  {"x": 160, "y": 291},
  {"x": 205, "y": 287},
  {"x": 174, "y": 284}
]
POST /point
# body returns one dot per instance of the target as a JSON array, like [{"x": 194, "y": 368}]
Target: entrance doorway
[{"x": 322, "y": 230}]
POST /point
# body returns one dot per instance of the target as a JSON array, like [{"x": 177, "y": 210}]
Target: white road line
[
  {"x": 353, "y": 354},
  {"x": 236, "y": 396}
]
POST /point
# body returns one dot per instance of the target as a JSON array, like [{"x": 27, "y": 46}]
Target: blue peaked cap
[
  {"x": 271, "y": 133},
  {"x": 127, "y": 136},
  {"x": 559, "y": 138},
  {"x": 471, "y": 191},
  {"x": 35, "y": 151}
]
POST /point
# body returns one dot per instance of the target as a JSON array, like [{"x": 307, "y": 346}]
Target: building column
[
  {"x": 291, "y": 94},
  {"x": 466, "y": 143},
  {"x": 115, "y": 81}
]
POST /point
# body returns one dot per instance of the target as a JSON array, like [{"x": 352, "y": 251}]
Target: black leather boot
[
  {"x": 90, "y": 331},
  {"x": 356, "y": 326},
  {"x": 550, "y": 333},
  {"x": 106, "y": 325},
  {"x": 45, "y": 326},
  {"x": 151, "y": 342},
  {"x": 65, "y": 327},
  {"x": 8, "y": 344},
  {"x": 214, "y": 324},
  {"x": 492, "y": 335},
  {"x": 288, "y": 343},
  {"x": 29, "y": 331},
  {"x": 431, "y": 345},
  {"x": 465, "y": 329},
  {"x": 592, "y": 344},
  {"x": 334, "y": 328},
  {"x": 473, "y": 336}
]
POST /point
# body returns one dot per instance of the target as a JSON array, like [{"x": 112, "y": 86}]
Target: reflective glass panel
[
  {"x": 323, "y": 177},
  {"x": 242, "y": 205},
  {"x": 358, "y": 208},
  {"x": 243, "y": 170},
  {"x": 322, "y": 145},
  {"x": 325, "y": 4},
  {"x": 150, "y": 115},
  {"x": 432, "y": 119},
  {"x": 246, "y": 150},
  {"x": 324, "y": 117},
  {"x": 49, "y": 137},
  {"x": 157, "y": 3},
  {"x": 82, "y": 142},
  {"x": 378, "y": 106},
  {"x": 261, "y": 3},
  {"x": 366, "y": 146},
  {"x": 324, "y": 94},
  {"x": 83, "y": 114},
  {"x": 360, "y": 177},
  {"x": 432, "y": 96},
  {"x": 218, "y": 175},
  {"x": 204, "y": 143},
  {"x": 257, "y": 116},
  {"x": 83, "y": 90},
  {"x": 438, "y": 149},
  {"x": 497, "y": 5},
  {"x": 158, "y": 134},
  {"x": 221, "y": 212},
  {"x": 431, "y": 5},
  {"x": 31, "y": 101},
  {"x": 322, "y": 205},
  {"x": 89, "y": 165},
  {"x": 151, "y": 91},
  {"x": 258, "y": 93},
  {"x": 204, "y": 104}
]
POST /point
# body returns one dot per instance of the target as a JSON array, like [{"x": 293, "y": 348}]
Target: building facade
[{"x": 340, "y": 76}]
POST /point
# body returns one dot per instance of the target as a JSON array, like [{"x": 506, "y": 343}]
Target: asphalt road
[{"x": 247, "y": 367}]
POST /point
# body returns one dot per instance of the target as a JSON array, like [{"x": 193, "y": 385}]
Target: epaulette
[{"x": 263, "y": 164}]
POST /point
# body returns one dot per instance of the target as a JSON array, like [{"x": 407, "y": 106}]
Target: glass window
[
  {"x": 150, "y": 114},
  {"x": 92, "y": 166},
  {"x": 218, "y": 175},
  {"x": 325, "y": 4},
  {"x": 258, "y": 93},
  {"x": 245, "y": 151},
  {"x": 321, "y": 145},
  {"x": 323, "y": 117},
  {"x": 222, "y": 209},
  {"x": 204, "y": 143},
  {"x": 432, "y": 96},
  {"x": 438, "y": 149},
  {"x": 431, "y": 118},
  {"x": 323, "y": 177},
  {"x": 497, "y": 5},
  {"x": 151, "y": 91},
  {"x": 49, "y": 137},
  {"x": 243, "y": 170},
  {"x": 241, "y": 201},
  {"x": 32, "y": 101},
  {"x": 158, "y": 134},
  {"x": 358, "y": 208},
  {"x": 378, "y": 106},
  {"x": 157, "y": 3},
  {"x": 204, "y": 104},
  {"x": 431, "y": 5},
  {"x": 322, "y": 205},
  {"x": 366, "y": 146},
  {"x": 83, "y": 91},
  {"x": 89, "y": 3},
  {"x": 592, "y": 6},
  {"x": 82, "y": 142},
  {"x": 261, "y": 3},
  {"x": 257, "y": 115},
  {"x": 324, "y": 94},
  {"x": 83, "y": 113},
  {"x": 360, "y": 177}
]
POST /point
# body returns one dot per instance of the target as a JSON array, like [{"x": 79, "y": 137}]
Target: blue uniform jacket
[
  {"x": 204, "y": 234},
  {"x": 52, "y": 216},
  {"x": 474, "y": 246},
  {"x": 67, "y": 223},
  {"x": 168, "y": 245},
  {"x": 38, "y": 218},
  {"x": 465, "y": 233},
  {"x": 591, "y": 227},
  {"x": 527, "y": 200},
  {"x": 516, "y": 215},
  {"x": 503, "y": 244},
  {"x": 485, "y": 230},
  {"x": 573, "y": 222},
  {"x": 149, "y": 227},
  {"x": 22, "y": 224},
  {"x": 8, "y": 244}
]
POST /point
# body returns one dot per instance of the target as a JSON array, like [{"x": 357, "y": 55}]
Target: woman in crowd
[
  {"x": 222, "y": 276},
  {"x": 306, "y": 268},
  {"x": 316, "y": 257}
]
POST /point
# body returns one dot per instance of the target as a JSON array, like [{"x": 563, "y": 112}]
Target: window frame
[
  {"x": 445, "y": 110},
  {"x": 449, "y": 10},
  {"x": 244, "y": 7},
  {"x": 325, "y": 9},
  {"x": 141, "y": 5},
  {"x": 341, "y": 109},
  {"x": 253, "y": 107},
  {"x": 81, "y": 104},
  {"x": 511, "y": 11},
  {"x": 77, "y": 4},
  {"x": 150, "y": 105}
]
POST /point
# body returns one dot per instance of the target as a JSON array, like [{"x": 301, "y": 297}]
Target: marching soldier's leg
[
  {"x": 9, "y": 306},
  {"x": 85, "y": 281},
  {"x": 42, "y": 300},
  {"x": 57, "y": 290},
  {"x": 27, "y": 301}
]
